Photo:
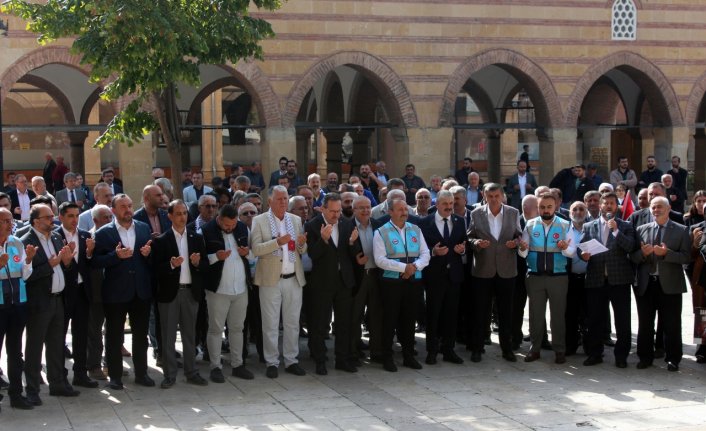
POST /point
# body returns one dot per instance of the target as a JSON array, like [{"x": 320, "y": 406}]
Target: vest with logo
[
  {"x": 544, "y": 257},
  {"x": 13, "y": 287},
  {"x": 402, "y": 251}
]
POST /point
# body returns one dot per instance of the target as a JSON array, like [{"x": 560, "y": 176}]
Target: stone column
[
  {"x": 428, "y": 149},
  {"x": 557, "y": 150},
  {"x": 321, "y": 154},
  {"x": 76, "y": 143},
  {"x": 212, "y": 139},
  {"x": 277, "y": 142},
  {"x": 136, "y": 168},
  {"x": 91, "y": 155}
]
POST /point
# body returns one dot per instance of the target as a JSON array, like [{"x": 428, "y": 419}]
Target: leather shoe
[
  {"x": 66, "y": 391},
  {"x": 167, "y": 383},
  {"x": 271, "y": 372},
  {"x": 197, "y": 380},
  {"x": 34, "y": 399},
  {"x": 389, "y": 365},
  {"x": 115, "y": 385},
  {"x": 592, "y": 360},
  {"x": 431, "y": 359},
  {"x": 21, "y": 403},
  {"x": 560, "y": 358},
  {"x": 242, "y": 373},
  {"x": 700, "y": 359},
  {"x": 532, "y": 356},
  {"x": 452, "y": 357},
  {"x": 621, "y": 363},
  {"x": 84, "y": 381},
  {"x": 609, "y": 342},
  {"x": 412, "y": 363},
  {"x": 145, "y": 381},
  {"x": 509, "y": 356},
  {"x": 296, "y": 370},
  {"x": 643, "y": 364},
  {"x": 345, "y": 366},
  {"x": 321, "y": 368},
  {"x": 476, "y": 356},
  {"x": 216, "y": 375},
  {"x": 671, "y": 366}
]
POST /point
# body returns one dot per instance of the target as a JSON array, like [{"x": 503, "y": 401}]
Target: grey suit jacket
[
  {"x": 39, "y": 283},
  {"x": 616, "y": 261},
  {"x": 671, "y": 271},
  {"x": 63, "y": 196},
  {"x": 496, "y": 258}
]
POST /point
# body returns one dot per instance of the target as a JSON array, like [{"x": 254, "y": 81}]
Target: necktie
[
  {"x": 657, "y": 240},
  {"x": 447, "y": 235},
  {"x": 73, "y": 197}
]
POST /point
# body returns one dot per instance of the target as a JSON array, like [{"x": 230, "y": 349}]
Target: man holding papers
[{"x": 608, "y": 278}]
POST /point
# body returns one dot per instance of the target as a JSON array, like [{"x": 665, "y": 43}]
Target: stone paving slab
[{"x": 490, "y": 395}]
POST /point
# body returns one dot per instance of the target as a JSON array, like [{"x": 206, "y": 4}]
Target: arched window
[{"x": 624, "y": 20}]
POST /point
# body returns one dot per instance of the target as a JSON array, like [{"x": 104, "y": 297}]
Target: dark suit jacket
[
  {"x": 213, "y": 238},
  {"x": 671, "y": 271},
  {"x": 15, "y": 201},
  {"x": 643, "y": 216},
  {"x": 616, "y": 261},
  {"x": 164, "y": 222},
  {"x": 164, "y": 248},
  {"x": 82, "y": 267},
  {"x": 358, "y": 269},
  {"x": 450, "y": 266},
  {"x": 39, "y": 283},
  {"x": 328, "y": 258},
  {"x": 123, "y": 278},
  {"x": 515, "y": 199}
]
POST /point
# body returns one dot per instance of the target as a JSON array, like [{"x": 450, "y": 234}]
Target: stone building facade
[{"x": 427, "y": 82}]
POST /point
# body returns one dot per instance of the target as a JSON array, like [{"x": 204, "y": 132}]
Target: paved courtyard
[{"x": 493, "y": 394}]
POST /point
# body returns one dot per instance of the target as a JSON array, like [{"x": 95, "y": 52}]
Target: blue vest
[
  {"x": 13, "y": 288},
  {"x": 544, "y": 256},
  {"x": 403, "y": 251}
]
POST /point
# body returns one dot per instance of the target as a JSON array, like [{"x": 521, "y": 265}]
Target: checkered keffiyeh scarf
[{"x": 275, "y": 233}]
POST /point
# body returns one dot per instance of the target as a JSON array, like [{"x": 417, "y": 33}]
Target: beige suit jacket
[{"x": 269, "y": 265}]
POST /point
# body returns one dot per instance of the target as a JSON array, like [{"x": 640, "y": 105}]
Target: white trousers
[
  {"x": 286, "y": 297},
  {"x": 222, "y": 308}
]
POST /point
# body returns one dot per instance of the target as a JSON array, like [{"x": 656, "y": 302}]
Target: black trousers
[
  {"x": 669, "y": 307},
  {"x": 79, "y": 314},
  {"x": 484, "y": 291},
  {"x": 12, "y": 324},
  {"x": 45, "y": 329},
  {"x": 253, "y": 322},
  {"x": 400, "y": 299},
  {"x": 519, "y": 300},
  {"x": 442, "y": 314},
  {"x": 597, "y": 304},
  {"x": 321, "y": 299},
  {"x": 575, "y": 312},
  {"x": 115, "y": 314},
  {"x": 368, "y": 295},
  {"x": 202, "y": 324},
  {"x": 465, "y": 311}
]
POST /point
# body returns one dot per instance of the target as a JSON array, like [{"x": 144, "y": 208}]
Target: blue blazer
[{"x": 123, "y": 278}]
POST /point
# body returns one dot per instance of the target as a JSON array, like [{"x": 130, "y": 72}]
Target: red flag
[{"x": 628, "y": 207}]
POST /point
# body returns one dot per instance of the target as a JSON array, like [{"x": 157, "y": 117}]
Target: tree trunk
[{"x": 168, "y": 117}]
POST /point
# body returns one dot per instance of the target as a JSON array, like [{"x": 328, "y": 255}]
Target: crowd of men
[{"x": 391, "y": 255}]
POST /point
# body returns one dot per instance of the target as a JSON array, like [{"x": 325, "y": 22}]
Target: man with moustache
[
  {"x": 122, "y": 250},
  {"x": 347, "y": 204},
  {"x": 15, "y": 269},
  {"x": 664, "y": 247},
  {"x": 575, "y": 296},
  {"x": 608, "y": 278},
  {"x": 103, "y": 195},
  {"x": 368, "y": 179},
  {"x": 443, "y": 277},
  {"x": 78, "y": 290},
  {"x": 208, "y": 207},
  {"x": 331, "y": 244},
  {"x": 278, "y": 241},
  {"x": 45, "y": 306},
  {"x": 547, "y": 246},
  {"x": 179, "y": 259},
  {"x": 519, "y": 294},
  {"x": 314, "y": 182},
  {"x": 367, "y": 283},
  {"x": 401, "y": 254},
  {"x": 493, "y": 232},
  {"x": 227, "y": 289},
  {"x": 644, "y": 216}
]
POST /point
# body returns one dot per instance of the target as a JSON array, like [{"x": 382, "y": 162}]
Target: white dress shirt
[
  {"x": 522, "y": 181},
  {"x": 73, "y": 237},
  {"x": 334, "y": 232},
  {"x": 233, "y": 278},
  {"x": 383, "y": 262},
  {"x": 127, "y": 236},
  {"x": 183, "y": 247},
  {"x": 23, "y": 199},
  {"x": 496, "y": 222}
]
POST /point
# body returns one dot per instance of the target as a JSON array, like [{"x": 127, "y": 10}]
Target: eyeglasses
[
  {"x": 423, "y": 197},
  {"x": 248, "y": 213},
  {"x": 209, "y": 206}
]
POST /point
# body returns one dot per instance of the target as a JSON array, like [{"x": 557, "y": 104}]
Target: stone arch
[
  {"x": 658, "y": 90},
  {"x": 54, "y": 92},
  {"x": 250, "y": 77},
  {"x": 532, "y": 77},
  {"x": 390, "y": 86},
  {"x": 693, "y": 104},
  {"x": 38, "y": 58}
]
